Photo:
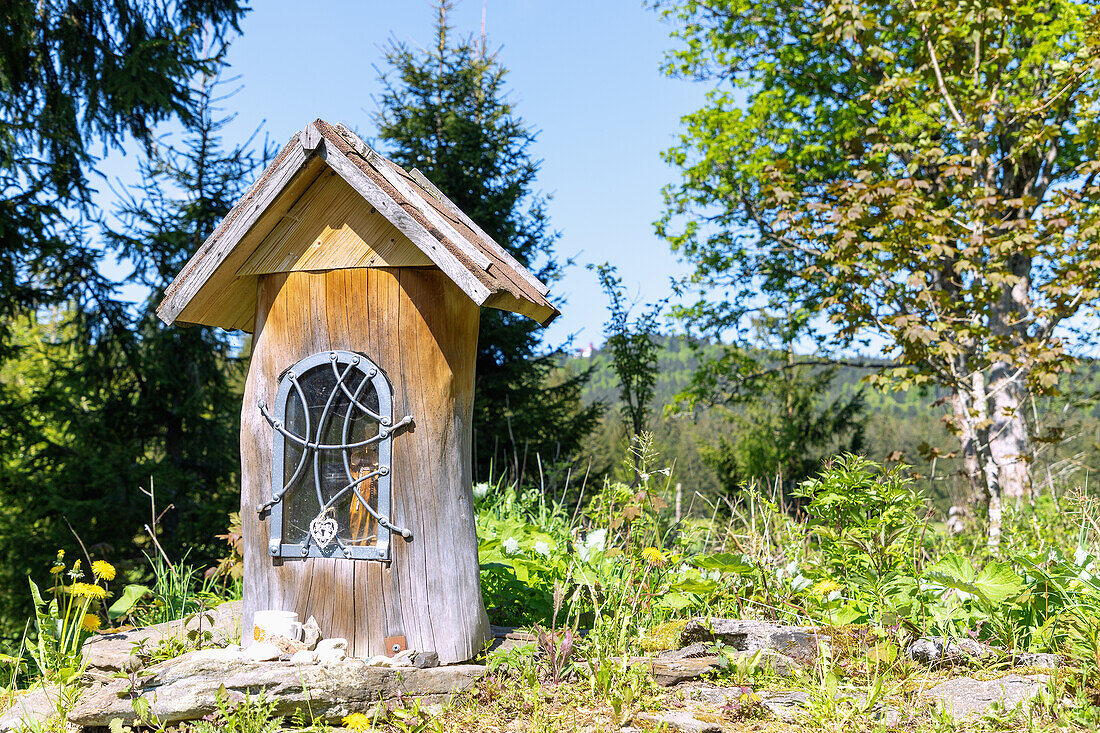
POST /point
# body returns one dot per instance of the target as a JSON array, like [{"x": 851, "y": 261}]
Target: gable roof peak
[{"x": 211, "y": 289}]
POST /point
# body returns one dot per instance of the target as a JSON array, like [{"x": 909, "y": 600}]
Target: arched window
[{"x": 330, "y": 479}]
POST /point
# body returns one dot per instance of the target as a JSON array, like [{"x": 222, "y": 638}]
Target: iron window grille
[{"x": 330, "y": 474}]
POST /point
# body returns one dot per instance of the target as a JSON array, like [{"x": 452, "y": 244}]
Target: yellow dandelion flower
[
  {"x": 90, "y": 622},
  {"x": 60, "y": 555},
  {"x": 653, "y": 556},
  {"x": 57, "y": 569},
  {"x": 357, "y": 722},
  {"x": 87, "y": 590},
  {"x": 103, "y": 570},
  {"x": 823, "y": 588}
]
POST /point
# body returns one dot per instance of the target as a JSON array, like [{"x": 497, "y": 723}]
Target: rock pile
[
  {"x": 312, "y": 674},
  {"x": 186, "y": 688},
  {"x": 789, "y": 650},
  {"x": 940, "y": 651}
]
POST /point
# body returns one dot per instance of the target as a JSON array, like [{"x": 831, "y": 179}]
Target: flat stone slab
[
  {"x": 797, "y": 642},
  {"x": 109, "y": 653},
  {"x": 32, "y": 710},
  {"x": 935, "y": 651},
  {"x": 683, "y": 721},
  {"x": 672, "y": 668},
  {"x": 186, "y": 688},
  {"x": 719, "y": 696},
  {"x": 669, "y": 672},
  {"x": 965, "y": 696}
]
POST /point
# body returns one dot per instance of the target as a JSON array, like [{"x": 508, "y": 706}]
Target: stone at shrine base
[{"x": 186, "y": 688}]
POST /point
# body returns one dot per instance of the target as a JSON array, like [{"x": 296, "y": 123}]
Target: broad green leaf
[
  {"x": 997, "y": 582},
  {"x": 956, "y": 567},
  {"x": 675, "y": 601},
  {"x": 131, "y": 594},
  {"x": 724, "y": 562},
  {"x": 691, "y": 585},
  {"x": 36, "y": 595}
]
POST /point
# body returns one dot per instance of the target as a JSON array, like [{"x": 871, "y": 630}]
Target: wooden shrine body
[
  {"x": 336, "y": 252},
  {"x": 422, "y": 330}
]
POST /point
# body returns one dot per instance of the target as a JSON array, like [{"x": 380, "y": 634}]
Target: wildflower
[
  {"x": 103, "y": 570},
  {"x": 481, "y": 490},
  {"x": 60, "y": 555},
  {"x": 596, "y": 540},
  {"x": 90, "y": 622},
  {"x": 542, "y": 548},
  {"x": 87, "y": 590},
  {"x": 511, "y": 545},
  {"x": 57, "y": 569},
  {"x": 653, "y": 557},
  {"x": 357, "y": 722},
  {"x": 75, "y": 573},
  {"x": 823, "y": 588}
]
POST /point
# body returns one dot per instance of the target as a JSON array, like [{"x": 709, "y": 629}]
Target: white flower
[
  {"x": 596, "y": 540},
  {"x": 542, "y": 548},
  {"x": 511, "y": 545},
  {"x": 480, "y": 490}
]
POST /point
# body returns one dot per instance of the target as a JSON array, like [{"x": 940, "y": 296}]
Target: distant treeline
[{"x": 905, "y": 425}]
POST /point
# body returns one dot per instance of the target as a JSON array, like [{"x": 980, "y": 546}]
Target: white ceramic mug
[{"x": 266, "y": 624}]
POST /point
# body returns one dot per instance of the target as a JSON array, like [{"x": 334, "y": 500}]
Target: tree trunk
[
  {"x": 973, "y": 413},
  {"x": 969, "y": 446},
  {"x": 1008, "y": 436}
]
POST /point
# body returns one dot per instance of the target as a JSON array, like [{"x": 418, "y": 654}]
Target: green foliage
[
  {"x": 786, "y": 421},
  {"x": 633, "y": 349},
  {"x": 445, "y": 111},
  {"x": 126, "y": 602},
  {"x": 65, "y": 621},
  {"x": 77, "y": 404},
  {"x": 917, "y": 172},
  {"x": 179, "y": 591},
  {"x": 866, "y": 519},
  {"x": 250, "y": 715},
  {"x": 74, "y": 78},
  {"x": 109, "y": 397}
]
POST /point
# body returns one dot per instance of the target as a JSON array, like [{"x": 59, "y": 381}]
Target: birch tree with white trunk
[{"x": 922, "y": 173}]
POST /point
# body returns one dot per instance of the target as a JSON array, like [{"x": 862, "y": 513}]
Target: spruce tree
[
  {"x": 111, "y": 399},
  {"x": 75, "y": 79},
  {"x": 444, "y": 110}
]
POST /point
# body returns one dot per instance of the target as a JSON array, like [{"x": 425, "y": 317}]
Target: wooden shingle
[{"x": 328, "y": 201}]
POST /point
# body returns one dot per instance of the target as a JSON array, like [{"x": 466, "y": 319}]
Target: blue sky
[{"x": 585, "y": 74}]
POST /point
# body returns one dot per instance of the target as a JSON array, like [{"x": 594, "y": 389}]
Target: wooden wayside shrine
[{"x": 361, "y": 284}]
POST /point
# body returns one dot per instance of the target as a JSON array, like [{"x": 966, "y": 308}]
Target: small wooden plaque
[{"x": 394, "y": 644}]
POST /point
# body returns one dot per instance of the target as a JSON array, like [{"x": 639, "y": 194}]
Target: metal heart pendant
[{"x": 323, "y": 529}]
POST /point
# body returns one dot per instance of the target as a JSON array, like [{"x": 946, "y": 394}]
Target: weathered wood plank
[
  {"x": 197, "y": 274},
  {"x": 441, "y": 326},
  {"x": 310, "y": 137},
  {"x": 414, "y": 197},
  {"x": 394, "y": 178},
  {"x": 489, "y": 241},
  {"x": 333, "y": 289},
  {"x": 421, "y": 329},
  {"x": 329, "y": 228},
  {"x": 408, "y": 226}
]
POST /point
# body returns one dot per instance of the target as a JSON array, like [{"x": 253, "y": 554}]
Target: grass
[{"x": 864, "y": 563}]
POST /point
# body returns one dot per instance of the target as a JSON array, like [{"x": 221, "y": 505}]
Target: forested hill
[{"x": 906, "y": 424}]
